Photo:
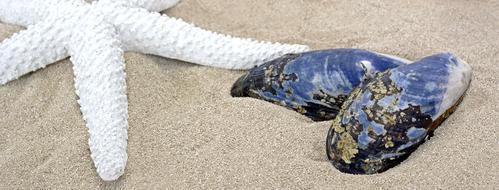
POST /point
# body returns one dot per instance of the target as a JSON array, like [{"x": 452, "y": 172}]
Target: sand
[{"x": 187, "y": 132}]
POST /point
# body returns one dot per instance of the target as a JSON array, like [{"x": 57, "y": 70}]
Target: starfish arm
[
  {"x": 20, "y": 12},
  {"x": 152, "y": 33},
  {"x": 30, "y": 50},
  {"x": 99, "y": 69},
  {"x": 151, "y": 5},
  {"x": 28, "y": 12}
]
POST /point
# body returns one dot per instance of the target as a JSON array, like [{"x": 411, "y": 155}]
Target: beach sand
[{"x": 186, "y": 131}]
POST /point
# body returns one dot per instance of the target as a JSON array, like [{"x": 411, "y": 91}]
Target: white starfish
[{"x": 95, "y": 36}]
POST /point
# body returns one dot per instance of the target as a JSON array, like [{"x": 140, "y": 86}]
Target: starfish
[{"x": 94, "y": 36}]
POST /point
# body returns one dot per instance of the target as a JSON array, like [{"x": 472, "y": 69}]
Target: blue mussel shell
[
  {"x": 313, "y": 83},
  {"x": 387, "y": 117}
]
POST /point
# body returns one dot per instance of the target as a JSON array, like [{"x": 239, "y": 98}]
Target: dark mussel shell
[
  {"x": 386, "y": 118},
  {"x": 313, "y": 83}
]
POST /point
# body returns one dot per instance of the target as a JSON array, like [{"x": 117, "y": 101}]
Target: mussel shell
[
  {"x": 313, "y": 83},
  {"x": 386, "y": 118}
]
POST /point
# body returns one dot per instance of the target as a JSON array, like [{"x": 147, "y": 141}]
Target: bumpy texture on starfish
[{"x": 95, "y": 36}]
